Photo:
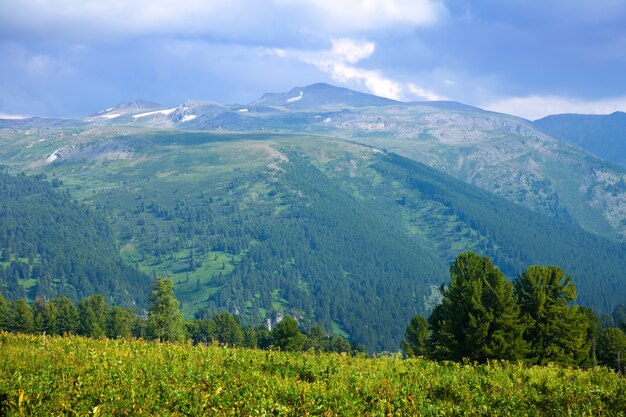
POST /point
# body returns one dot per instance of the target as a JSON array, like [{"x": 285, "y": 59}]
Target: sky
[{"x": 69, "y": 58}]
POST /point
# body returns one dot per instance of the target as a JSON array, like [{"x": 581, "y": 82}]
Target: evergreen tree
[
  {"x": 594, "y": 330},
  {"x": 557, "y": 331},
  {"x": 5, "y": 313},
  {"x": 416, "y": 337},
  {"x": 120, "y": 322},
  {"x": 93, "y": 313},
  {"x": 67, "y": 320},
  {"x": 44, "y": 316},
  {"x": 227, "y": 331},
  {"x": 479, "y": 317},
  {"x": 250, "y": 339},
  {"x": 612, "y": 348},
  {"x": 165, "y": 320},
  {"x": 316, "y": 339},
  {"x": 21, "y": 317},
  {"x": 286, "y": 335}
]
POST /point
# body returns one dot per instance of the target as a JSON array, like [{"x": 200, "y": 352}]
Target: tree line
[
  {"x": 484, "y": 316},
  {"x": 93, "y": 317}
]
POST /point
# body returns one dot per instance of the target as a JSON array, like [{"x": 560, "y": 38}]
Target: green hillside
[
  {"x": 51, "y": 246},
  {"x": 601, "y": 135},
  {"x": 329, "y": 231}
]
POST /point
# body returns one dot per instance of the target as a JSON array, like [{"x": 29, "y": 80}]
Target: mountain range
[{"x": 337, "y": 207}]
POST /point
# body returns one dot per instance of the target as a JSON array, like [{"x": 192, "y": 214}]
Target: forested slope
[
  {"x": 52, "y": 246},
  {"x": 515, "y": 237}
]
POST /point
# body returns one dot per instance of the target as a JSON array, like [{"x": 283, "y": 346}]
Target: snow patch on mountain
[
  {"x": 150, "y": 113},
  {"x": 296, "y": 98},
  {"x": 188, "y": 117},
  {"x": 53, "y": 157},
  {"x": 109, "y": 115}
]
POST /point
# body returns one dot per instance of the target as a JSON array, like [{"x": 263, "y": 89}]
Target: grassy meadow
[{"x": 74, "y": 376}]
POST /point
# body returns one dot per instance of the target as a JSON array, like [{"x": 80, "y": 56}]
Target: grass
[{"x": 77, "y": 376}]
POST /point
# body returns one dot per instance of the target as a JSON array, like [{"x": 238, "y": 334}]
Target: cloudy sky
[{"x": 526, "y": 57}]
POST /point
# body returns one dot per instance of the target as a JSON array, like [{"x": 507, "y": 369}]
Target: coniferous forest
[{"x": 51, "y": 246}]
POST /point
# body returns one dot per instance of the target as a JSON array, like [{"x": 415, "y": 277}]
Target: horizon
[
  {"x": 172, "y": 105},
  {"x": 77, "y": 57}
]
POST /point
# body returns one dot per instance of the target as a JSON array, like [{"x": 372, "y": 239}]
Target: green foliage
[
  {"x": 94, "y": 315},
  {"x": 21, "y": 317},
  {"x": 557, "y": 331},
  {"x": 478, "y": 318},
  {"x": 67, "y": 319},
  {"x": 165, "y": 320},
  {"x": 76, "y": 376},
  {"x": 286, "y": 335},
  {"x": 5, "y": 313},
  {"x": 416, "y": 337},
  {"x": 53, "y": 246},
  {"x": 612, "y": 348},
  {"x": 227, "y": 331},
  {"x": 512, "y": 236},
  {"x": 44, "y": 316},
  {"x": 120, "y": 322}
]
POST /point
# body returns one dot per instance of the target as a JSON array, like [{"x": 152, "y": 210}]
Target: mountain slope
[
  {"x": 321, "y": 96},
  {"x": 330, "y": 231},
  {"x": 601, "y": 135},
  {"x": 52, "y": 246}
]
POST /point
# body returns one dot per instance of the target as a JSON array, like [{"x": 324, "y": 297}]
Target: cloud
[
  {"x": 364, "y": 15},
  {"x": 536, "y": 107},
  {"x": 6, "y": 116},
  {"x": 340, "y": 63},
  {"x": 233, "y": 19}
]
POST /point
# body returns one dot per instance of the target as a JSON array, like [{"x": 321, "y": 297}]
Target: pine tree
[
  {"x": 227, "y": 331},
  {"x": 94, "y": 314},
  {"x": 612, "y": 348},
  {"x": 286, "y": 335},
  {"x": 557, "y": 331},
  {"x": 479, "y": 318},
  {"x": 120, "y": 322},
  {"x": 165, "y": 320},
  {"x": 416, "y": 337},
  {"x": 67, "y": 320},
  {"x": 22, "y": 317},
  {"x": 44, "y": 316},
  {"x": 5, "y": 313}
]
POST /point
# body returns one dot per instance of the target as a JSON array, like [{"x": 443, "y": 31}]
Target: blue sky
[{"x": 525, "y": 57}]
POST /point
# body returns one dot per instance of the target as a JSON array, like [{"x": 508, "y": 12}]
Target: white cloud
[
  {"x": 536, "y": 107},
  {"x": 360, "y": 15},
  {"x": 12, "y": 116},
  {"x": 232, "y": 19},
  {"x": 340, "y": 62},
  {"x": 350, "y": 50}
]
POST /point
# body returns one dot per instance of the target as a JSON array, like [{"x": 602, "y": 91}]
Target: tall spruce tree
[
  {"x": 416, "y": 337},
  {"x": 94, "y": 313},
  {"x": 21, "y": 317},
  {"x": 557, "y": 331},
  {"x": 5, "y": 313},
  {"x": 44, "y": 316},
  {"x": 612, "y": 348},
  {"x": 67, "y": 319},
  {"x": 165, "y": 320},
  {"x": 478, "y": 318}
]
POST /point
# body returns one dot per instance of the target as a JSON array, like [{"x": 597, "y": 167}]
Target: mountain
[
  {"x": 343, "y": 210},
  {"x": 601, "y": 135},
  {"x": 51, "y": 246},
  {"x": 327, "y": 230},
  {"x": 321, "y": 97}
]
